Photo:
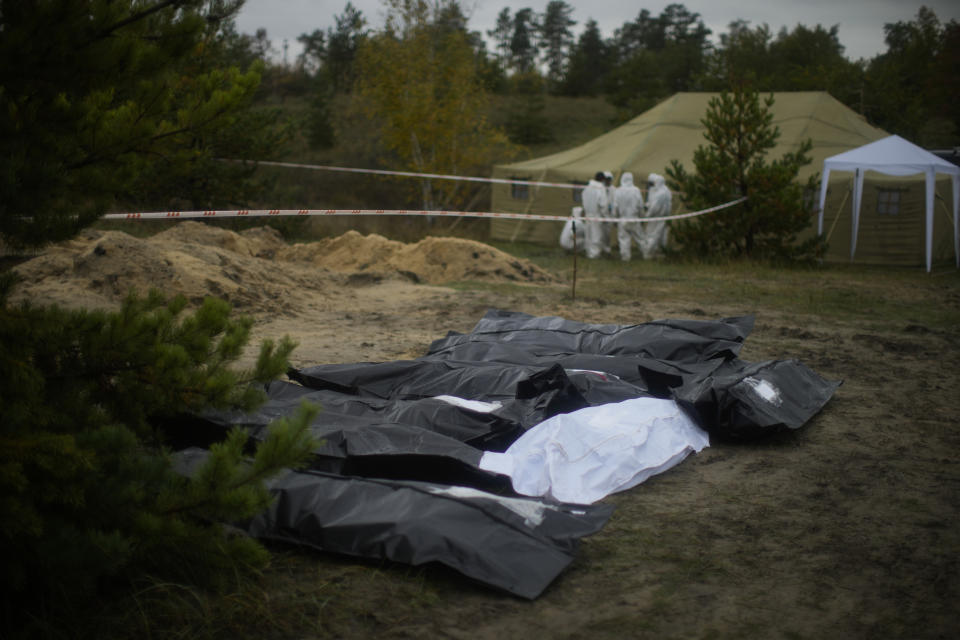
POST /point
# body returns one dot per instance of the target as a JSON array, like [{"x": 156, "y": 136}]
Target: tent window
[
  {"x": 888, "y": 202},
  {"x": 520, "y": 191},
  {"x": 578, "y": 192}
]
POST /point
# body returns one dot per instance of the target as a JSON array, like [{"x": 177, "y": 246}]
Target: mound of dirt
[
  {"x": 350, "y": 253},
  {"x": 261, "y": 242},
  {"x": 432, "y": 260},
  {"x": 99, "y": 268},
  {"x": 254, "y": 270}
]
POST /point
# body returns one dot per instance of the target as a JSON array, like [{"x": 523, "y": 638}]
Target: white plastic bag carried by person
[
  {"x": 659, "y": 204},
  {"x": 570, "y": 239},
  {"x": 628, "y": 206}
]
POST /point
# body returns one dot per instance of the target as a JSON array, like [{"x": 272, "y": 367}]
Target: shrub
[{"x": 89, "y": 496}]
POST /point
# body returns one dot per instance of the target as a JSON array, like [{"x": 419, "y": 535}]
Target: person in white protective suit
[
  {"x": 608, "y": 229},
  {"x": 628, "y": 207},
  {"x": 595, "y": 205},
  {"x": 659, "y": 203},
  {"x": 573, "y": 236}
]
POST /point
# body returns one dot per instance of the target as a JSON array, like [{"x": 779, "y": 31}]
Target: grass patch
[{"x": 885, "y": 297}]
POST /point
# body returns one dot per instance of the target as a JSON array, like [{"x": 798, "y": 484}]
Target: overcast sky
[{"x": 860, "y": 21}]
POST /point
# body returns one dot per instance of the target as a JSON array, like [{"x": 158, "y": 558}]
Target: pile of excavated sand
[
  {"x": 261, "y": 242},
  {"x": 254, "y": 270},
  {"x": 431, "y": 261},
  {"x": 99, "y": 268}
]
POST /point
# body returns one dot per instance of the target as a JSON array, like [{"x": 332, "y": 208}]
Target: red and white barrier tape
[{"x": 159, "y": 215}]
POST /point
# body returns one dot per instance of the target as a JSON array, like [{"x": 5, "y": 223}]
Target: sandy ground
[{"x": 848, "y": 528}]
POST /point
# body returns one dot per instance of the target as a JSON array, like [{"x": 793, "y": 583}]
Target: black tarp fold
[
  {"x": 517, "y": 544},
  {"x": 681, "y": 340}
]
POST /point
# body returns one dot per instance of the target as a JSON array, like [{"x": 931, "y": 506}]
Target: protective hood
[
  {"x": 626, "y": 180},
  {"x": 656, "y": 180}
]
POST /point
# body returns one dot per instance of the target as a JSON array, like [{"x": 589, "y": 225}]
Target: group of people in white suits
[{"x": 624, "y": 207}]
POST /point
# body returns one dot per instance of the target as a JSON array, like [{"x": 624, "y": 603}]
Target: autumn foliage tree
[{"x": 419, "y": 83}]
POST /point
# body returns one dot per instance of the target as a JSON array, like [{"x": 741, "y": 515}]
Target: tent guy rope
[
  {"x": 410, "y": 174},
  {"x": 407, "y": 174}
]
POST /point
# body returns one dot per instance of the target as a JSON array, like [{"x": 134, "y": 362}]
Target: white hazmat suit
[
  {"x": 608, "y": 228},
  {"x": 595, "y": 205},
  {"x": 659, "y": 203},
  {"x": 628, "y": 207},
  {"x": 568, "y": 240}
]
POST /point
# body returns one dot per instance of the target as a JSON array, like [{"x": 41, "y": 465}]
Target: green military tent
[{"x": 892, "y": 210}]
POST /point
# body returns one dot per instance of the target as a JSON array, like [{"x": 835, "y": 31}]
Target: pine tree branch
[
  {"x": 135, "y": 146},
  {"x": 134, "y": 18},
  {"x": 295, "y": 442}
]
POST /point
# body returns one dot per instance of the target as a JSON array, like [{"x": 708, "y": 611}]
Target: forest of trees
[
  {"x": 110, "y": 115},
  {"x": 905, "y": 90}
]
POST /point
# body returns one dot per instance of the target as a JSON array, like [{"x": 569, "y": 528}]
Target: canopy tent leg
[{"x": 823, "y": 199}]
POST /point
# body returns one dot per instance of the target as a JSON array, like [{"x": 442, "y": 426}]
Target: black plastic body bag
[{"x": 396, "y": 475}]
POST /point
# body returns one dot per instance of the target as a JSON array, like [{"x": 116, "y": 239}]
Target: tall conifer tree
[
  {"x": 556, "y": 38},
  {"x": 734, "y": 164},
  {"x": 106, "y": 99}
]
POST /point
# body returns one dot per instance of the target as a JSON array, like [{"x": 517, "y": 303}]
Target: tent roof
[
  {"x": 893, "y": 156},
  {"x": 673, "y": 130}
]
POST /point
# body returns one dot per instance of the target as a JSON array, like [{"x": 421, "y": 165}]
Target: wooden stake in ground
[{"x": 573, "y": 294}]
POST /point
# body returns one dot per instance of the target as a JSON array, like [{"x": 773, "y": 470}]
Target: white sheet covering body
[{"x": 583, "y": 456}]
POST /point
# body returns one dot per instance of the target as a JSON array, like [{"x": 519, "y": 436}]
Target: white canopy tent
[{"x": 893, "y": 156}]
